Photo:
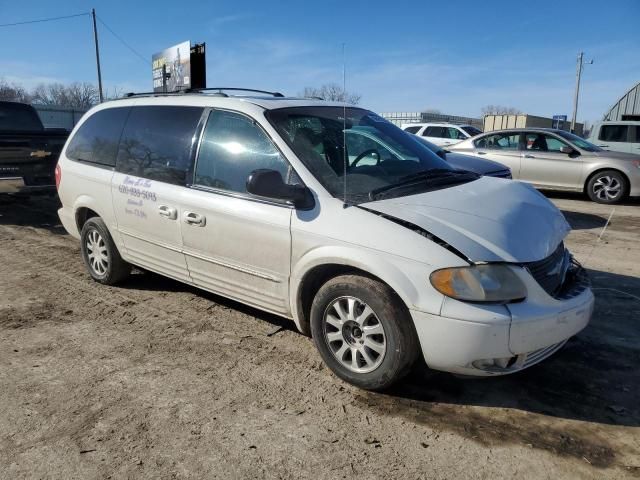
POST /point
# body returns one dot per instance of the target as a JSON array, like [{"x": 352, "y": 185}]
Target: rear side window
[
  {"x": 412, "y": 129},
  {"x": 232, "y": 147},
  {"x": 499, "y": 141},
  {"x": 157, "y": 142},
  {"x": 438, "y": 132},
  {"x": 96, "y": 141},
  {"x": 614, "y": 133},
  {"x": 16, "y": 117},
  {"x": 636, "y": 139}
]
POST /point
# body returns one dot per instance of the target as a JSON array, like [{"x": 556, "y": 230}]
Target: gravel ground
[{"x": 155, "y": 379}]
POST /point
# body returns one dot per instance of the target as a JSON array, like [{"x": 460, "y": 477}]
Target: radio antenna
[{"x": 344, "y": 127}]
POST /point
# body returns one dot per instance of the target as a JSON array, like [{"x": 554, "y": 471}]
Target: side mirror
[
  {"x": 269, "y": 183},
  {"x": 567, "y": 150}
]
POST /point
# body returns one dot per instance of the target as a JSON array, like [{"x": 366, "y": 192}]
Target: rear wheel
[
  {"x": 608, "y": 186},
  {"x": 100, "y": 254},
  {"x": 363, "y": 331}
]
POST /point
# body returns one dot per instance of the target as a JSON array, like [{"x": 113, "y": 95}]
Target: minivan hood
[{"x": 488, "y": 220}]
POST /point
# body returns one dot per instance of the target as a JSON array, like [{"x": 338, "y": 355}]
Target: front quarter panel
[{"x": 400, "y": 257}]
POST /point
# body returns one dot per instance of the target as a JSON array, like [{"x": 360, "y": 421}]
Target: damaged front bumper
[{"x": 486, "y": 340}]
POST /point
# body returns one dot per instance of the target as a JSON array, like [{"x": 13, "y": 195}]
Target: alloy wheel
[
  {"x": 355, "y": 335},
  {"x": 97, "y": 252},
  {"x": 607, "y": 188}
]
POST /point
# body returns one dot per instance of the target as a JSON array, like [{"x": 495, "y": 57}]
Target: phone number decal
[{"x": 137, "y": 192}]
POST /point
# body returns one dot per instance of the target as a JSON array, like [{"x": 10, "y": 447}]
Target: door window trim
[{"x": 230, "y": 193}]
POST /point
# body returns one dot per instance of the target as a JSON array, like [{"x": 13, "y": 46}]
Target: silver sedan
[{"x": 559, "y": 160}]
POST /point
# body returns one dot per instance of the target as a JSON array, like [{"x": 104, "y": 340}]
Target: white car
[
  {"x": 381, "y": 259},
  {"x": 442, "y": 134}
]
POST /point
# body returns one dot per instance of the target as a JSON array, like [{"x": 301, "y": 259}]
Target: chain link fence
[{"x": 54, "y": 116}]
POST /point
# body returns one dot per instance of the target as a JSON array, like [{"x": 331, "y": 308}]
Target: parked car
[
  {"x": 480, "y": 166},
  {"x": 623, "y": 136},
  {"x": 379, "y": 261},
  {"x": 28, "y": 151},
  {"x": 559, "y": 160},
  {"x": 442, "y": 134}
]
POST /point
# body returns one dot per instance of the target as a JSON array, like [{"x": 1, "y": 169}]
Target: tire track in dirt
[{"x": 187, "y": 383}]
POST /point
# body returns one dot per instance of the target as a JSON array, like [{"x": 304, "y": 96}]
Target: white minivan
[
  {"x": 618, "y": 136},
  {"x": 381, "y": 256}
]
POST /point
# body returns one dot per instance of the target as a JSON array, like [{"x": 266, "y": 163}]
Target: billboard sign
[
  {"x": 172, "y": 68},
  {"x": 559, "y": 121}
]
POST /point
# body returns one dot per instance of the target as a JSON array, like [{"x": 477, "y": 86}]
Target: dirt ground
[{"x": 155, "y": 379}]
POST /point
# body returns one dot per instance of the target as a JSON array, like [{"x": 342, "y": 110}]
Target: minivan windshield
[
  {"x": 381, "y": 159},
  {"x": 579, "y": 142}
]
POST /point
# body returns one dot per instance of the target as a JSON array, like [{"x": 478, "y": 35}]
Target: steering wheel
[{"x": 364, "y": 154}]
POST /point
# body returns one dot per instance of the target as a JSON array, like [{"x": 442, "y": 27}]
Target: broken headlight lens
[{"x": 479, "y": 283}]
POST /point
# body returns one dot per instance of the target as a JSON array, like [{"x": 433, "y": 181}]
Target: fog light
[{"x": 495, "y": 364}]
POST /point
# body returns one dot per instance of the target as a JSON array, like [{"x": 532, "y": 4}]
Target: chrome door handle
[
  {"x": 526, "y": 155},
  {"x": 169, "y": 212},
  {"x": 482, "y": 153},
  {"x": 600, "y": 145},
  {"x": 192, "y": 218}
]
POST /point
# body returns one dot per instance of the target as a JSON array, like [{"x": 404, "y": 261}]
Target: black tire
[
  {"x": 400, "y": 337},
  {"x": 111, "y": 268},
  {"x": 599, "y": 192}
]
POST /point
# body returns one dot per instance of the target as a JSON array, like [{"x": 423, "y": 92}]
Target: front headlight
[{"x": 479, "y": 283}]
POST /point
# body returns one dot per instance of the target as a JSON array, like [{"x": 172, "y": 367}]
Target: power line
[
  {"x": 51, "y": 19},
  {"x": 144, "y": 59}
]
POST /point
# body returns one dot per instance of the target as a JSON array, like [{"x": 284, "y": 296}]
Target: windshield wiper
[
  {"x": 439, "y": 176},
  {"x": 430, "y": 173}
]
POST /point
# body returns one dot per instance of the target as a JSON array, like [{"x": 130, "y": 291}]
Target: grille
[
  {"x": 539, "y": 355},
  {"x": 550, "y": 272}
]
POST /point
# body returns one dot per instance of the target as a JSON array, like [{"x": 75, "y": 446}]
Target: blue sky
[{"x": 401, "y": 56}]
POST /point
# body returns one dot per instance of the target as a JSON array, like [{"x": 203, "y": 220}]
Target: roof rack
[{"x": 218, "y": 92}]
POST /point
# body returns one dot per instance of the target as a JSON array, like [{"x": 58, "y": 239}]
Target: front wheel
[
  {"x": 363, "y": 331},
  {"x": 608, "y": 186}
]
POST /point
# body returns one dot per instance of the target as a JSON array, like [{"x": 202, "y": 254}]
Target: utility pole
[
  {"x": 95, "y": 39},
  {"x": 577, "y": 94}
]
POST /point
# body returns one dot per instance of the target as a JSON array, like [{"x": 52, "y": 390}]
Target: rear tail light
[{"x": 58, "y": 174}]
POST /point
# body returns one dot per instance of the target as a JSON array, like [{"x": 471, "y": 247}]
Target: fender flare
[{"x": 349, "y": 256}]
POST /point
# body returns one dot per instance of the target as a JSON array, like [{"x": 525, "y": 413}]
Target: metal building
[{"x": 627, "y": 108}]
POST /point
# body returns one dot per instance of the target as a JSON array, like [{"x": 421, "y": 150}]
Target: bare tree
[
  {"x": 499, "y": 110},
  {"x": 432, "y": 110},
  {"x": 13, "y": 93},
  {"x": 75, "y": 95},
  {"x": 332, "y": 92},
  {"x": 114, "y": 93}
]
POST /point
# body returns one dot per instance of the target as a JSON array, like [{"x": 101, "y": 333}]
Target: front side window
[
  {"x": 378, "y": 154},
  {"x": 456, "y": 134},
  {"x": 96, "y": 141},
  {"x": 614, "y": 133},
  {"x": 499, "y": 141},
  {"x": 157, "y": 142},
  {"x": 541, "y": 142},
  {"x": 232, "y": 147},
  {"x": 472, "y": 131}
]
